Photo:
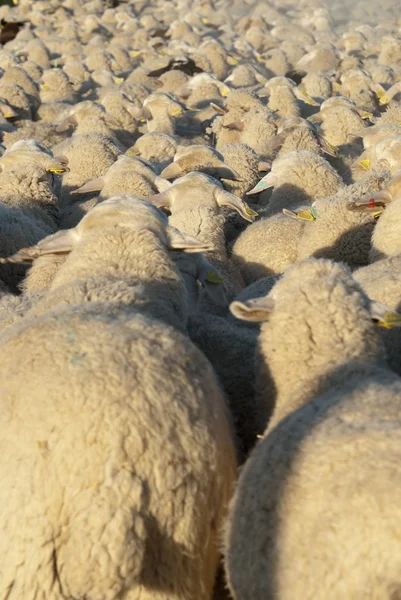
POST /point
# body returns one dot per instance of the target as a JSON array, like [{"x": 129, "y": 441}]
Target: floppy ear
[
  {"x": 268, "y": 181},
  {"x": 140, "y": 114},
  {"x": 316, "y": 118},
  {"x": 224, "y": 198},
  {"x": 327, "y": 147},
  {"x": 66, "y": 124},
  {"x": 264, "y": 166},
  {"x": 384, "y": 316},
  {"x": 258, "y": 309},
  {"x": 162, "y": 184},
  {"x": 57, "y": 167},
  {"x": 172, "y": 171},
  {"x": 94, "y": 185},
  {"x": 223, "y": 171},
  {"x": 63, "y": 160},
  {"x": 61, "y": 242},
  {"x": 213, "y": 282},
  {"x": 186, "y": 243},
  {"x": 371, "y": 203},
  {"x": 235, "y": 126},
  {"x": 218, "y": 109},
  {"x": 161, "y": 200}
]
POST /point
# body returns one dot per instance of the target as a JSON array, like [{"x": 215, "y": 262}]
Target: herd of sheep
[{"x": 200, "y": 273}]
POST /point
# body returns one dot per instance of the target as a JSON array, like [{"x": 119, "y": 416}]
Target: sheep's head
[
  {"x": 123, "y": 211},
  {"x": 199, "y": 158},
  {"x": 300, "y": 292},
  {"x": 199, "y": 188}
]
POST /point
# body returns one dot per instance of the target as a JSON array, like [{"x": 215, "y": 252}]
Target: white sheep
[
  {"x": 155, "y": 426},
  {"x": 329, "y": 457}
]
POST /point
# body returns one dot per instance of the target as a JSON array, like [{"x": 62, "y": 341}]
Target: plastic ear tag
[
  {"x": 391, "y": 319},
  {"x": 142, "y": 120},
  {"x": 366, "y": 115},
  {"x": 313, "y": 212},
  {"x": 205, "y": 21},
  {"x": 383, "y": 100},
  {"x": 232, "y": 61},
  {"x": 225, "y": 92},
  {"x": 213, "y": 277},
  {"x": 333, "y": 149},
  {"x": 336, "y": 86},
  {"x": 259, "y": 58},
  {"x": 132, "y": 153},
  {"x": 8, "y": 115},
  {"x": 305, "y": 215},
  {"x": 55, "y": 63},
  {"x": 308, "y": 100},
  {"x": 176, "y": 112},
  {"x": 135, "y": 53},
  {"x": 44, "y": 87},
  {"x": 248, "y": 211},
  {"x": 118, "y": 80},
  {"x": 376, "y": 214},
  {"x": 365, "y": 164},
  {"x": 57, "y": 171}
]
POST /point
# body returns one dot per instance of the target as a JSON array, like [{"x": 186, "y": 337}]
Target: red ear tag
[{"x": 372, "y": 203}]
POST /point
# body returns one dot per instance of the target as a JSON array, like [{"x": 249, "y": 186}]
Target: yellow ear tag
[
  {"x": 380, "y": 93},
  {"x": 142, "y": 120},
  {"x": 225, "y": 92},
  {"x": 259, "y": 58},
  {"x": 15, "y": 1},
  {"x": 135, "y": 53},
  {"x": 44, "y": 87},
  {"x": 132, "y": 153},
  {"x": 376, "y": 214},
  {"x": 366, "y": 115},
  {"x": 232, "y": 61},
  {"x": 305, "y": 215},
  {"x": 57, "y": 171},
  {"x": 336, "y": 86},
  {"x": 176, "y": 112},
  {"x": 118, "y": 80},
  {"x": 205, "y": 21},
  {"x": 390, "y": 319},
  {"x": 248, "y": 211},
  {"x": 334, "y": 149},
  {"x": 308, "y": 100},
  {"x": 383, "y": 100},
  {"x": 8, "y": 115},
  {"x": 365, "y": 164},
  {"x": 212, "y": 277}
]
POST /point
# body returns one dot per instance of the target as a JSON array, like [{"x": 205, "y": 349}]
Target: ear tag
[
  {"x": 142, "y": 120},
  {"x": 205, "y": 21},
  {"x": 313, "y": 212},
  {"x": 225, "y": 92},
  {"x": 305, "y": 215},
  {"x": 380, "y": 93},
  {"x": 391, "y": 319},
  {"x": 336, "y": 86},
  {"x": 248, "y": 211},
  {"x": 8, "y": 116},
  {"x": 58, "y": 171},
  {"x": 132, "y": 153},
  {"x": 365, "y": 164},
  {"x": 308, "y": 100},
  {"x": 333, "y": 149},
  {"x": 383, "y": 100},
  {"x": 177, "y": 111},
  {"x": 212, "y": 277},
  {"x": 366, "y": 115},
  {"x": 232, "y": 61},
  {"x": 376, "y": 214}
]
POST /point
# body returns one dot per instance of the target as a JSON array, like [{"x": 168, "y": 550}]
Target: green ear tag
[
  {"x": 313, "y": 212},
  {"x": 212, "y": 277}
]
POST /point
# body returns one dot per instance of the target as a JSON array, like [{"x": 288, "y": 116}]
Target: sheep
[
  {"x": 159, "y": 148},
  {"x": 267, "y": 247},
  {"x": 320, "y": 59},
  {"x": 124, "y": 312},
  {"x": 160, "y": 111},
  {"x": 199, "y": 158},
  {"x": 335, "y": 414},
  {"x": 193, "y": 201},
  {"x": 56, "y": 87},
  {"x": 298, "y": 176},
  {"x": 127, "y": 175},
  {"x": 283, "y": 94},
  {"x": 119, "y": 107},
  {"x": 15, "y": 96},
  {"x": 300, "y": 134},
  {"x": 338, "y": 122},
  {"x": 89, "y": 156},
  {"x": 28, "y": 204}
]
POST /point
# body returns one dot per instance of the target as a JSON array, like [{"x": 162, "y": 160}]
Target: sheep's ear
[
  {"x": 235, "y": 126},
  {"x": 384, "y": 316},
  {"x": 223, "y": 171},
  {"x": 217, "y": 108},
  {"x": 258, "y": 309},
  {"x": 172, "y": 171},
  {"x": 316, "y": 118},
  {"x": 327, "y": 147},
  {"x": 178, "y": 240},
  {"x": 140, "y": 114},
  {"x": 61, "y": 242},
  {"x": 161, "y": 200},
  {"x": 94, "y": 185},
  {"x": 212, "y": 281},
  {"x": 224, "y": 198},
  {"x": 63, "y": 160},
  {"x": 162, "y": 184},
  {"x": 268, "y": 181},
  {"x": 371, "y": 203},
  {"x": 66, "y": 124}
]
